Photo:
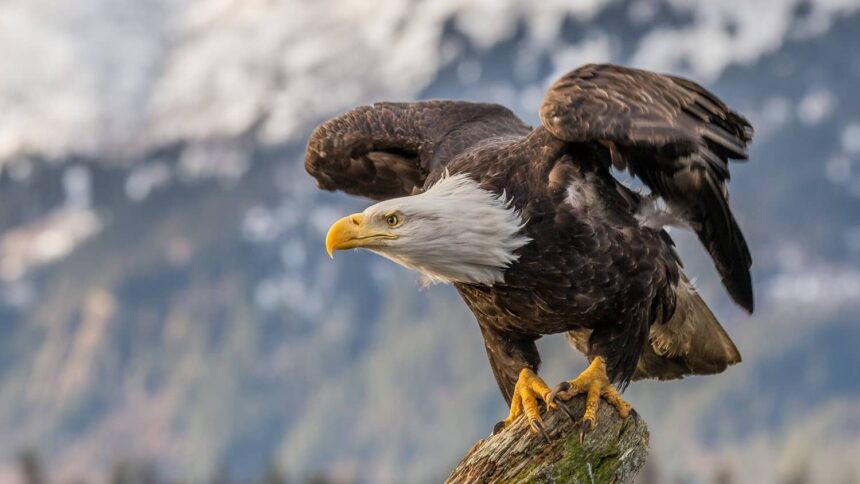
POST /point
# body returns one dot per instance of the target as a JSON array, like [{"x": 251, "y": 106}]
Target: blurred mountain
[{"x": 165, "y": 295}]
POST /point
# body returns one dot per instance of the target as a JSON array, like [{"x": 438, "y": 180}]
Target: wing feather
[
  {"x": 672, "y": 134},
  {"x": 388, "y": 149}
]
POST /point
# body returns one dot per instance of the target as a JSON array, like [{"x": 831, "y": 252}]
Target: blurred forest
[{"x": 32, "y": 471}]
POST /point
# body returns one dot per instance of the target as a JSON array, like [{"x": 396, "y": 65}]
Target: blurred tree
[
  {"x": 274, "y": 474},
  {"x": 799, "y": 475},
  {"x": 724, "y": 475},
  {"x": 320, "y": 479},
  {"x": 30, "y": 466},
  {"x": 648, "y": 474},
  {"x": 133, "y": 471},
  {"x": 221, "y": 475}
]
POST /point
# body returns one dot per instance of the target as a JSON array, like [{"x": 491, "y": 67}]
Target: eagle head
[{"x": 455, "y": 232}]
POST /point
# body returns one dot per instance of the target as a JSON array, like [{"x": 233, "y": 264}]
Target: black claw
[
  {"x": 560, "y": 404},
  {"x": 586, "y": 428},
  {"x": 539, "y": 428},
  {"x": 561, "y": 387},
  {"x": 498, "y": 427},
  {"x": 587, "y": 425}
]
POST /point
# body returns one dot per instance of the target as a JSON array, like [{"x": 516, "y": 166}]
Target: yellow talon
[
  {"x": 528, "y": 390},
  {"x": 595, "y": 384}
]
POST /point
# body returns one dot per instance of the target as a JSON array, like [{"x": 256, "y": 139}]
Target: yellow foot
[
  {"x": 529, "y": 389},
  {"x": 595, "y": 384}
]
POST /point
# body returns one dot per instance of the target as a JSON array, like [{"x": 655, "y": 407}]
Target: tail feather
[{"x": 692, "y": 342}]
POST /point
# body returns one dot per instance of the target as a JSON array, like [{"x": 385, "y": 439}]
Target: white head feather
[{"x": 455, "y": 231}]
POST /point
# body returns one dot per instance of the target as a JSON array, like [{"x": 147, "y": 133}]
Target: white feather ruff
[{"x": 455, "y": 231}]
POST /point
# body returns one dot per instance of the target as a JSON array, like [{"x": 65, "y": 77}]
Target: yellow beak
[{"x": 351, "y": 232}]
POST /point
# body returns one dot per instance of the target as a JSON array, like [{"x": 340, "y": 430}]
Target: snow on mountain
[{"x": 114, "y": 78}]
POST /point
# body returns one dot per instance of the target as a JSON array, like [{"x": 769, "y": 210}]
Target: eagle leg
[
  {"x": 529, "y": 389},
  {"x": 593, "y": 382}
]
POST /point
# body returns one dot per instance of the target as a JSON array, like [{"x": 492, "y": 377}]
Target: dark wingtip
[
  {"x": 739, "y": 280},
  {"x": 725, "y": 241},
  {"x": 741, "y": 291}
]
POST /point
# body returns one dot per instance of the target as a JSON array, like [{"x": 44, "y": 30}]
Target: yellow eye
[{"x": 392, "y": 220}]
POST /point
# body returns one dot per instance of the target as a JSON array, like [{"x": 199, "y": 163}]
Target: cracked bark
[{"x": 613, "y": 452}]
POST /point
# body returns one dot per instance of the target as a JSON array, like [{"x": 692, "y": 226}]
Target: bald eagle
[{"x": 538, "y": 236}]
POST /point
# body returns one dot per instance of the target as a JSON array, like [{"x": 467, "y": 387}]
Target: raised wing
[
  {"x": 387, "y": 149},
  {"x": 676, "y": 137}
]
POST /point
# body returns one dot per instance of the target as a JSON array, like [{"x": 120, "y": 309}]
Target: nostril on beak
[{"x": 354, "y": 219}]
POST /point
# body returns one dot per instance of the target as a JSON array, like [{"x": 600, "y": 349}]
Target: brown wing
[
  {"x": 387, "y": 149},
  {"x": 675, "y": 136}
]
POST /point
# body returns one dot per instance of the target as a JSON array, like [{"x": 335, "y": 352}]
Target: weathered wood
[{"x": 613, "y": 452}]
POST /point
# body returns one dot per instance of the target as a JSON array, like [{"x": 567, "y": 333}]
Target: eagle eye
[{"x": 392, "y": 219}]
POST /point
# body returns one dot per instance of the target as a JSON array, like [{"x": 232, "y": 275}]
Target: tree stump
[{"x": 613, "y": 452}]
